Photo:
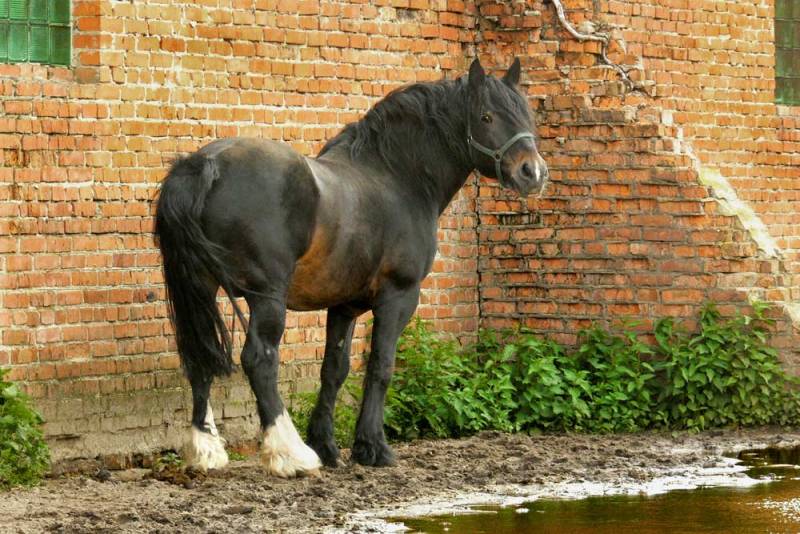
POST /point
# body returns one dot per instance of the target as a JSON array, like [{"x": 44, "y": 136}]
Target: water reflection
[{"x": 700, "y": 510}]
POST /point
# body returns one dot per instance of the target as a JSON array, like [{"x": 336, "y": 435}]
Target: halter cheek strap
[{"x": 496, "y": 155}]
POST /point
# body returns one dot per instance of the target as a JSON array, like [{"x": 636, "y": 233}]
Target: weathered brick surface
[{"x": 627, "y": 227}]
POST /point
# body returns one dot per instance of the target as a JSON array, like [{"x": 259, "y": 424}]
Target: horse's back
[{"x": 252, "y": 159}]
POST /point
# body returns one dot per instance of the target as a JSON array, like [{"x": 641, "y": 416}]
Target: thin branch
[{"x": 600, "y": 37}]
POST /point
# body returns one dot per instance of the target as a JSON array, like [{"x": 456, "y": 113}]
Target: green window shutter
[
  {"x": 35, "y": 30},
  {"x": 38, "y": 11},
  {"x": 3, "y": 41},
  {"x": 19, "y": 9},
  {"x": 58, "y": 11},
  {"x": 787, "y": 52},
  {"x": 39, "y": 45},
  {"x": 60, "y": 45},
  {"x": 18, "y": 42}
]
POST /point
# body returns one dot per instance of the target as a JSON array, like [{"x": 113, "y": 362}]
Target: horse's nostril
[{"x": 526, "y": 170}]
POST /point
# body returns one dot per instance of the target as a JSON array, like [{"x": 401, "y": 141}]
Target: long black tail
[{"x": 191, "y": 262}]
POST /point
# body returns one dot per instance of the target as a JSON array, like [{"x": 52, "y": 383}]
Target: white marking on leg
[
  {"x": 206, "y": 450},
  {"x": 211, "y": 426},
  {"x": 283, "y": 452}
]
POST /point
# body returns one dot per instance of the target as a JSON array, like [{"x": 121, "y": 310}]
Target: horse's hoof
[
  {"x": 373, "y": 453},
  {"x": 327, "y": 451},
  {"x": 284, "y": 454},
  {"x": 292, "y": 464},
  {"x": 204, "y": 451}
]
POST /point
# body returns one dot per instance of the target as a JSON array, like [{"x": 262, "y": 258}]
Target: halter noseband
[{"x": 496, "y": 155}]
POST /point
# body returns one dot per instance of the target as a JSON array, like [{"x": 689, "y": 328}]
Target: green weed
[
  {"x": 24, "y": 455},
  {"x": 724, "y": 374}
]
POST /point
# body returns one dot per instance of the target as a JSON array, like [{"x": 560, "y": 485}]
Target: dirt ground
[{"x": 241, "y": 498}]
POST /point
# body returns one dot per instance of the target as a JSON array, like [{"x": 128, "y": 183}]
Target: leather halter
[{"x": 496, "y": 155}]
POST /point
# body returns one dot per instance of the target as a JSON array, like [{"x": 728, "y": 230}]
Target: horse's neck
[
  {"x": 451, "y": 185},
  {"x": 437, "y": 177}
]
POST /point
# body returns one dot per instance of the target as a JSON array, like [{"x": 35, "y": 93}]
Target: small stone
[
  {"x": 130, "y": 475},
  {"x": 102, "y": 475},
  {"x": 238, "y": 510}
]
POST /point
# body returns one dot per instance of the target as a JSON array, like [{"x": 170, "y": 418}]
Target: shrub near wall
[
  {"x": 723, "y": 374},
  {"x": 24, "y": 456}
]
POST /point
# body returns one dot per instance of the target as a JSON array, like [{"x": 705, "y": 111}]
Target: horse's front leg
[{"x": 391, "y": 316}]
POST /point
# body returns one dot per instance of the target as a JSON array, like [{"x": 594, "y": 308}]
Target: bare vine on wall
[{"x": 603, "y": 38}]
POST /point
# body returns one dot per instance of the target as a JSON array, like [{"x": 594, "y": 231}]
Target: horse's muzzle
[{"x": 530, "y": 175}]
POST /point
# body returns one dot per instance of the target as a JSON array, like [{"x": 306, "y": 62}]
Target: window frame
[
  {"x": 45, "y": 27},
  {"x": 787, "y": 52}
]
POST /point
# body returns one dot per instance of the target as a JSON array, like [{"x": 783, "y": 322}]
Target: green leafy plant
[
  {"x": 621, "y": 386},
  {"x": 167, "y": 461},
  {"x": 551, "y": 391},
  {"x": 725, "y": 374},
  {"x": 236, "y": 456},
  {"x": 24, "y": 455},
  {"x": 440, "y": 391}
]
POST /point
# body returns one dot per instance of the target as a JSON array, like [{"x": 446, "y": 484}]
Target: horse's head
[{"x": 500, "y": 134}]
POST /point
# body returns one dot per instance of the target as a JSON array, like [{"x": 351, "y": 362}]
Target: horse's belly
[
  {"x": 324, "y": 276},
  {"x": 317, "y": 289}
]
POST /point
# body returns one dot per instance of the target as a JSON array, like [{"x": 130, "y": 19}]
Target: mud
[{"x": 241, "y": 498}]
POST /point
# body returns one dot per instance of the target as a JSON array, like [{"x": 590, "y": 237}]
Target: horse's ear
[
  {"x": 512, "y": 75},
  {"x": 476, "y": 74}
]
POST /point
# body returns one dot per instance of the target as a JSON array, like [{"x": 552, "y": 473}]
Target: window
[
  {"x": 35, "y": 30},
  {"x": 787, "y": 51}
]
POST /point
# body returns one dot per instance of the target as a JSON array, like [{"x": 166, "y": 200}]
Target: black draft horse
[{"x": 351, "y": 230}]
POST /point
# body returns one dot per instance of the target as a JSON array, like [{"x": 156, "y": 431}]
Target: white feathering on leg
[
  {"x": 206, "y": 450},
  {"x": 283, "y": 452}
]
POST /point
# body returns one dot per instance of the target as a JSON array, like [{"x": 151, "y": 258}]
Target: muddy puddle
[{"x": 757, "y": 491}]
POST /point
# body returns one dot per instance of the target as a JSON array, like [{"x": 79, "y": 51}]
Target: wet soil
[{"x": 241, "y": 498}]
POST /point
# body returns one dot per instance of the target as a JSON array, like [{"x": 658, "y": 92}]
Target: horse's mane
[
  {"x": 421, "y": 111},
  {"x": 412, "y": 125}
]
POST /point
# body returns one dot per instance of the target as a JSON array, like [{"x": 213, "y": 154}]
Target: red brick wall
[
  {"x": 628, "y": 229},
  {"x": 83, "y": 149},
  {"x": 625, "y": 229}
]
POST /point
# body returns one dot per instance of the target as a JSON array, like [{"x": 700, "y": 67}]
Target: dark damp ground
[
  {"x": 241, "y": 498},
  {"x": 773, "y": 506}
]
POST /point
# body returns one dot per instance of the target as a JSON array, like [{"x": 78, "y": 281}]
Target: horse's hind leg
[
  {"x": 283, "y": 452},
  {"x": 335, "y": 366},
  {"x": 204, "y": 448}
]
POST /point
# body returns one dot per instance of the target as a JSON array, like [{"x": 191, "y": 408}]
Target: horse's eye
[{"x": 486, "y": 117}]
